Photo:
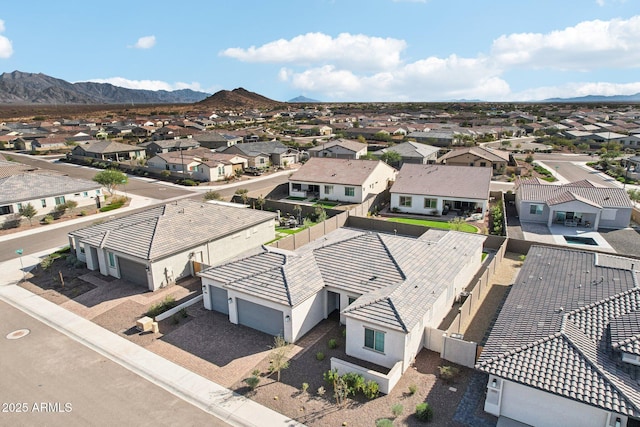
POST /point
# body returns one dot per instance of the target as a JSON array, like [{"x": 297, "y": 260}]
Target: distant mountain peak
[
  {"x": 302, "y": 99},
  {"x": 238, "y": 98},
  {"x": 20, "y": 87}
]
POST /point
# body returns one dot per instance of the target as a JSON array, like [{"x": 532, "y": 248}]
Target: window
[
  {"x": 374, "y": 340},
  {"x": 535, "y": 209},
  {"x": 60, "y": 200},
  {"x": 328, "y": 189},
  {"x": 4, "y": 210},
  {"x": 483, "y": 164},
  {"x": 430, "y": 203},
  {"x": 405, "y": 201},
  {"x": 220, "y": 170},
  {"x": 349, "y": 191},
  {"x": 43, "y": 202},
  {"x": 81, "y": 249},
  {"x": 112, "y": 260},
  {"x": 85, "y": 194},
  {"x": 19, "y": 205},
  {"x": 97, "y": 192}
]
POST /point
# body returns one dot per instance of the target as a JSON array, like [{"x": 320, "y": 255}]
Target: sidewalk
[{"x": 230, "y": 407}]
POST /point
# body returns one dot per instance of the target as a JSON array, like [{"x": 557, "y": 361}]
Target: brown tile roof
[
  {"x": 337, "y": 171},
  {"x": 444, "y": 181}
]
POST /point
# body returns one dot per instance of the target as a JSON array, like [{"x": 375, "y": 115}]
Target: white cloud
[
  {"x": 585, "y": 46},
  {"x": 148, "y": 84},
  {"x": 571, "y": 90},
  {"x": 353, "y": 51},
  {"x": 145, "y": 42},
  {"x": 429, "y": 79},
  {"x": 6, "y": 47}
]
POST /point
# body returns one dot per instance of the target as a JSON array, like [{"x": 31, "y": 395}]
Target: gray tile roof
[
  {"x": 397, "y": 278},
  {"x": 606, "y": 197},
  {"x": 484, "y": 153},
  {"x": 169, "y": 229},
  {"x": 411, "y": 149},
  {"x": 625, "y": 333},
  {"x": 560, "y": 325},
  {"x": 253, "y": 149},
  {"x": 8, "y": 168},
  {"x": 439, "y": 180},
  {"x": 32, "y": 186},
  {"x": 287, "y": 279},
  {"x": 337, "y": 171}
]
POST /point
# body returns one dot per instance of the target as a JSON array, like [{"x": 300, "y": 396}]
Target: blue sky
[{"x": 335, "y": 50}]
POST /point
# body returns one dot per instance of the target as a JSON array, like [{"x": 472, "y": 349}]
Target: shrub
[
  {"x": 413, "y": 389},
  {"x": 48, "y": 219},
  {"x": 355, "y": 382},
  {"x": 397, "y": 409},
  {"x": 252, "y": 382},
  {"x": 188, "y": 182},
  {"x": 167, "y": 304},
  {"x": 321, "y": 391},
  {"x": 175, "y": 319},
  {"x": 448, "y": 373},
  {"x": 333, "y": 343},
  {"x": 165, "y": 174},
  {"x": 83, "y": 213},
  {"x": 371, "y": 389},
  {"x": 183, "y": 313},
  {"x": 305, "y": 387},
  {"x": 384, "y": 422},
  {"x": 424, "y": 412},
  {"x": 320, "y": 356},
  {"x": 331, "y": 376}
]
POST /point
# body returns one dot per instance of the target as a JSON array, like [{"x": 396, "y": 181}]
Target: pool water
[{"x": 575, "y": 240}]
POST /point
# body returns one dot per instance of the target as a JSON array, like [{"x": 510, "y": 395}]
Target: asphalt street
[{"x": 50, "y": 379}]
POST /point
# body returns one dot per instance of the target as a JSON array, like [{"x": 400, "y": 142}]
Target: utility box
[{"x": 144, "y": 324}]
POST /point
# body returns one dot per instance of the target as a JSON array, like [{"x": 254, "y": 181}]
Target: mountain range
[{"x": 30, "y": 88}]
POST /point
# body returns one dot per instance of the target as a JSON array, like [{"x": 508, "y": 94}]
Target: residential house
[
  {"x": 109, "y": 150},
  {"x": 377, "y": 282},
  {"x": 438, "y": 138},
  {"x": 344, "y": 180},
  {"x": 564, "y": 348},
  {"x": 166, "y": 145},
  {"x": 44, "y": 191},
  {"x": 438, "y": 189},
  {"x": 262, "y": 154},
  {"x": 158, "y": 246},
  {"x": 217, "y": 141},
  {"x": 412, "y": 152},
  {"x": 576, "y": 204},
  {"x": 340, "y": 149},
  {"x": 496, "y": 160},
  {"x": 201, "y": 164}
]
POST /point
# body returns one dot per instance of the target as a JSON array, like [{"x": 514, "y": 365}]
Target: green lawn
[
  {"x": 299, "y": 199},
  {"x": 434, "y": 224},
  {"x": 326, "y": 205}
]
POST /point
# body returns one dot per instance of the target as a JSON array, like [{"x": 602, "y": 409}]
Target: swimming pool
[{"x": 576, "y": 240}]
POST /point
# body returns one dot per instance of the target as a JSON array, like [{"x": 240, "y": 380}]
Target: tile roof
[
  {"x": 168, "y": 229},
  {"x": 280, "y": 277},
  {"x": 104, "y": 147},
  {"x": 485, "y": 153},
  {"x": 625, "y": 333},
  {"x": 348, "y": 144},
  {"x": 387, "y": 272},
  {"x": 30, "y": 186},
  {"x": 435, "y": 180},
  {"x": 559, "y": 327},
  {"x": 412, "y": 149},
  {"x": 253, "y": 149},
  {"x": 8, "y": 168},
  {"x": 606, "y": 197},
  {"x": 337, "y": 171}
]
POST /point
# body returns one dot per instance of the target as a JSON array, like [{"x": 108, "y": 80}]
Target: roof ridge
[
  {"x": 395, "y": 311},
  {"x": 393, "y": 259},
  {"x": 519, "y": 349},
  {"x": 603, "y": 301}
]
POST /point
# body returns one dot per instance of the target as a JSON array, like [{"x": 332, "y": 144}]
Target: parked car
[{"x": 252, "y": 170}]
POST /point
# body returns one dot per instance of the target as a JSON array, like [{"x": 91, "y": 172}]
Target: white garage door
[{"x": 264, "y": 319}]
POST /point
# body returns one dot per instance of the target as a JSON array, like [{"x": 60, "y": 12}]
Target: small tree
[
  {"x": 260, "y": 202},
  {"x": 279, "y": 352},
  {"x": 244, "y": 194},
  {"x": 391, "y": 157},
  {"x": 212, "y": 195},
  {"x": 28, "y": 211},
  {"x": 297, "y": 209},
  {"x": 456, "y": 223},
  {"x": 110, "y": 179}
]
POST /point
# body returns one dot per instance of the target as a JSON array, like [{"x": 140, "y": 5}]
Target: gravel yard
[{"x": 209, "y": 345}]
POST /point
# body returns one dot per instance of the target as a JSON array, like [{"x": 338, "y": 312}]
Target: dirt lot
[{"x": 209, "y": 345}]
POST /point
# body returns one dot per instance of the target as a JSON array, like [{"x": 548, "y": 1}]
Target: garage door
[
  {"x": 219, "y": 300},
  {"x": 264, "y": 319},
  {"x": 133, "y": 272}
]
